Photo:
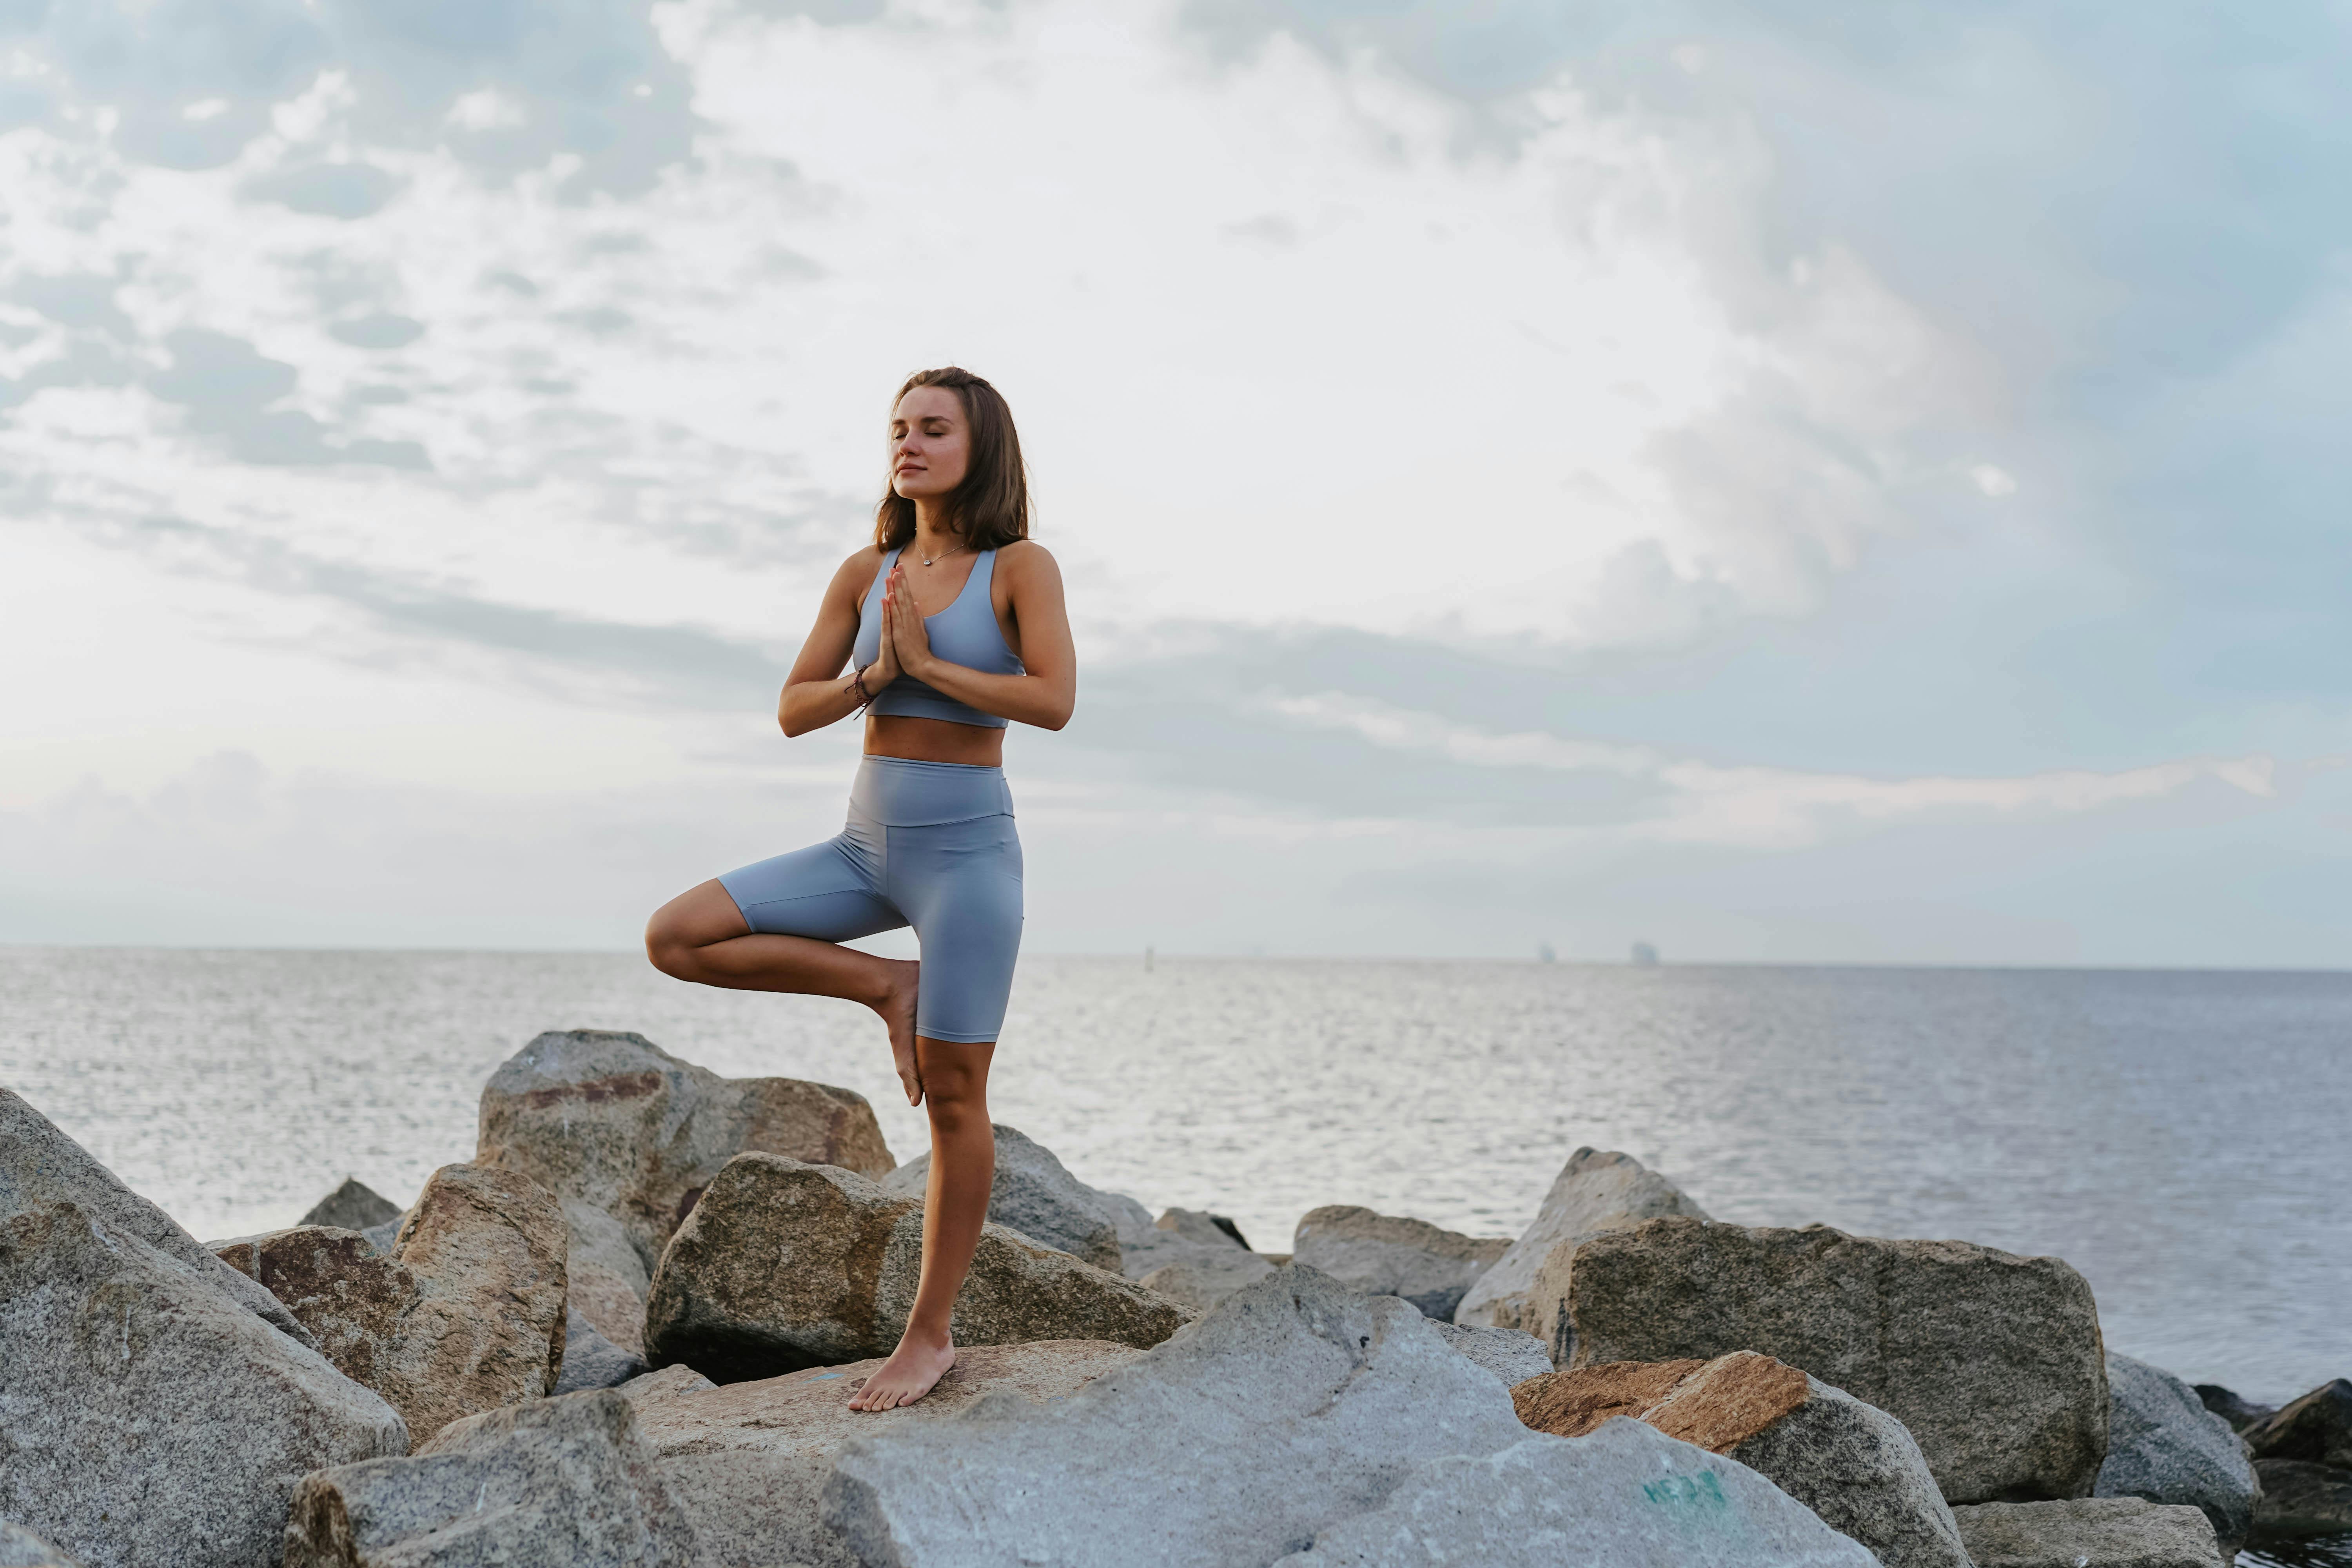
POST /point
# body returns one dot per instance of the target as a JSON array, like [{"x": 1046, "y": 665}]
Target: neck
[{"x": 933, "y": 538}]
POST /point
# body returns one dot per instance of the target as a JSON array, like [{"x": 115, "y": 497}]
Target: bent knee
[{"x": 668, "y": 950}]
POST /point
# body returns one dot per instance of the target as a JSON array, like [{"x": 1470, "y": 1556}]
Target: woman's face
[{"x": 930, "y": 443}]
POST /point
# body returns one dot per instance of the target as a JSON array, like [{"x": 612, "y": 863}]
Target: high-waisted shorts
[{"x": 927, "y": 845}]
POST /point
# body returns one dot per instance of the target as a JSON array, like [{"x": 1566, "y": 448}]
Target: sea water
[{"x": 2179, "y": 1137}]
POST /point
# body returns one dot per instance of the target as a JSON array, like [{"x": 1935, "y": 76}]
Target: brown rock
[
  {"x": 1853, "y": 1465},
  {"x": 464, "y": 1315},
  {"x": 2299, "y": 1498},
  {"x": 786, "y": 1265},
  {"x": 747, "y": 1461},
  {"x": 2316, "y": 1428},
  {"x": 627, "y": 1136},
  {"x": 1993, "y": 1362},
  {"x": 2088, "y": 1533}
]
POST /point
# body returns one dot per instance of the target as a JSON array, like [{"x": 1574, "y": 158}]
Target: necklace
[{"x": 935, "y": 560}]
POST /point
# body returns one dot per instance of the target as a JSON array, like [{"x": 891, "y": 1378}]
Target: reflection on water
[
  {"x": 2176, "y": 1136},
  {"x": 2325, "y": 1551}
]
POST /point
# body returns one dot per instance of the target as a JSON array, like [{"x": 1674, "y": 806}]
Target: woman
[{"x": 951, "y": 624}]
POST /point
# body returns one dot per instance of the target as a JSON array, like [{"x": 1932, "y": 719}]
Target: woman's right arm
[{"x": 816, "y": 692}]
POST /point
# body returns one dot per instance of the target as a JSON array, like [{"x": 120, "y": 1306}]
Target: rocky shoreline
[{"x": 624, "y": 1334}]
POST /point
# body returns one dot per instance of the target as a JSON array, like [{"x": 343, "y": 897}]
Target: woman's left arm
[{"x": 1049, "y": 692}]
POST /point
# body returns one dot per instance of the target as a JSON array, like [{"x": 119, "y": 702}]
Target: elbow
[{"x": 1060, "y": 716}]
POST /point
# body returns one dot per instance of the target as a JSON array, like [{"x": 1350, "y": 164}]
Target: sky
[{"x": 1784, "y": 481}]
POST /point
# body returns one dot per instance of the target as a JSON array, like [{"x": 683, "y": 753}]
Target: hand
[
  {"x": 885, "y": 668},
  {"x": 902, "y": 624}
]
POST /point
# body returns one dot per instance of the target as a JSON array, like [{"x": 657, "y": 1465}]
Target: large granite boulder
[
  {"x": 1594, "y": 1192},
  {"x": 2163, "y": 1445},
  {"x": 1993, "y": 1362},
  {"x": 1385, "y": 1255},
  {"x": 1294, "y": 1405},
  {"x": 786, "y": 1265},
  {"x": 1203, "y": 1276},
  {"x": 39, "y": 1165},
  {"x": 2302, "y": 1499},
  {"x": 747, "y": 1461},
  {"x": 466, "y": 1314},
  {"x": 557, "y": 1483},
  {"x": 2316, "y": 1428},
  {"x": 354, "y": 1205},
  {"x": 1510, "y": 1355},
  {"x": 1033, "y": 1194},
  {"x": 148, "y": 1419},
  {"x": 591, "y": 1360},
  {"x": 2088, "y": 1533},
  {"x": 627, "y": 1136},
  {"x": 20, "y": 1548},
  {"x": 1852, "y": 1464},
  {"x": 1626, "y": 1494}
]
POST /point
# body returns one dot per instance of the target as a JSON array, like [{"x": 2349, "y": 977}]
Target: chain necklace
[{"x": 935, "y": 560}]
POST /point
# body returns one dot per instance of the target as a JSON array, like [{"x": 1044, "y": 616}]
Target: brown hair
[{"x": 990, "y": 507}]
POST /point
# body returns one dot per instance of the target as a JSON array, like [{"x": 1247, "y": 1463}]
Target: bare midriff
[{"x": 933, "y": 741}]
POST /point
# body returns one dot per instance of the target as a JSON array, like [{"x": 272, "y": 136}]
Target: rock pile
[{"x": 1128, "y": 1391}]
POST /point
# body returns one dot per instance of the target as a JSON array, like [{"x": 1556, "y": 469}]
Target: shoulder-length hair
[{"x": 990, "y": 507}]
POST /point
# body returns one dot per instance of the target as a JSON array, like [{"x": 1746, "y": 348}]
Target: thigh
[
  {"x": 827, "y": 891},
  {"x": 959, "y": 884}
]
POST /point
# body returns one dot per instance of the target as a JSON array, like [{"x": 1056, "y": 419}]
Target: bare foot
[
  {"x": 913, "y": 1370},
  {"x": 898, "y": 1011}
]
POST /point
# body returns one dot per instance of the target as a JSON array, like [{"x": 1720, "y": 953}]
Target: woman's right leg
[{"x": 701, "y": 936}]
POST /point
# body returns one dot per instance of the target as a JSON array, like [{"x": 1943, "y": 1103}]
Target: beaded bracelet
[{"x": 857, "y": 680}]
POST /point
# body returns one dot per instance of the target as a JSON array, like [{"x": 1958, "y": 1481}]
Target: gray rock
[
  {"x": 2302, "y": 1499},
  {"x": 2316, "y": 1428},
  {"x": 786, "y": 1265},
  {"x": 1385, "y": 1255},
  {"x": 746, "y": 1461},
  {"x": 20, "y": 1548},
  {"x": 151, "y": 1420},
  {"x": 591, "y": 1360},
  {"x": 1993, "y": 1362},
  {"x": 1294, "y": 1405},
  {"x": 354, "y": 1205},
  {"x": 2088, "y": 1533},
  {"x": 2163, "y": 1445},
  {"x": 1852, "y": 1464},
  {"x": 1200, "y": 1225},
  {"x": 1594, "y": 1192},
  {"x": 1508, "y": 1354},
  {"x": 1180, "y": 1236},
  {"x": 39, "y": 1165},
  {"x": 1626, "y": 1494},
  {"x": 627, "y": 1136},
  {"x": 1034, "y": 1195},
  {"x": 1207, "y": 1276},
  {"x": 557, "y": 1483},
  {"x": 382, "y": 1238}
]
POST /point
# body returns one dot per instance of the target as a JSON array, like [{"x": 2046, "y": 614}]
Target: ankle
[{"x": 926, "y": 1339}]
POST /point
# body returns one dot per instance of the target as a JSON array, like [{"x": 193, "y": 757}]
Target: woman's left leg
[{"x": 955, "y": 1207}]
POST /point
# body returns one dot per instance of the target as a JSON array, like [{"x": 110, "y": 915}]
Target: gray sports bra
[{"x": 965, "y": 633}]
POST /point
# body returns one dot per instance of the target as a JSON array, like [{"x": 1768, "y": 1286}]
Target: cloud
[
  {"x": 228, "y": 388},
  {"x": 344, "y": 191}
]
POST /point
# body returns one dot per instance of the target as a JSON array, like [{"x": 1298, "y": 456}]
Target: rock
[
  {"x": 786, "y": 1265},
  {"x": 2300, "y": 1497},
  {"x": 1993, "y": 1362},
  {"x": 591, "y": 1360},
  {"x": 1033, "y": 1194},
  {"x": 627, "y": 1136},
  {"x": 1180, "y": 1236},
  {"x": 148, "y": 1419},
  {"x": 557, "y": 1483},
  {"x": 2087, "y": 1532},
  {"x": 1508, "y": 1354},
  {"x": 746, "y": 1461},
  {"x": 1294, "y": 1405},
  {"x": 20, "y": 1548},
  {"x": 1201, "y": 1228},
  {"x": 1207, "y": 1277},
  {"x": 39, "y": 1165},
  {"x": 1594, "y": 1192},
  {"x": 2239, "y": 1413},
  {"x": 2164, "y": 1445},
  {"x": 1382, "y": 1255},
  {"x": 466, "y": 1314},
  {"x": 354, "y": 1205},
  {"x": 2316, "y": 1428},
  {"x": 1852, "y": 1464},
  {"x": 1626, "y": 1494},
  {"x": 382, "y": 1236}
]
